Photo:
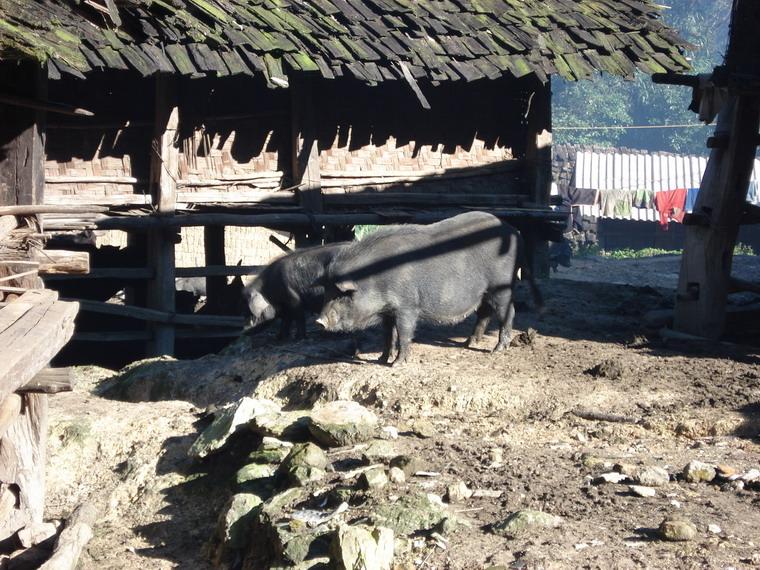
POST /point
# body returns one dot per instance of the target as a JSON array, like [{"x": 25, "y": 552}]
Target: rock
[
  {"x": 389, "y": 432},
  {"x": 283, "y": 542},
  {"x": 410, "y": 513},
  {"x": 526, "y": 338},
  {"x": 609, "y": 368},
  {"x": 274, "y": 505},
  {"x": 696, "y": 471},
  {"x": 304, "y": 464},
  {"x": 458, "y": 492},
  {"x": 396, "y": 475},
  {"x": 373, "y": 479},
  {"x": 408, "y": 464},
  {"x": 291, "y": 425},
  {"x": 422, "y": 428},
  {"x": 725, "y": 471},
  {"x": 524, "y": 520},
  {"x": 227, "y": 422},
  {"x": 642, "y": 491},
  {"x": 628, "y": 469},
  {"x": 487, "y": 493},
  {"x": 362, "y": 548},
  {"x": 342, "y": 423},
  {"x": 253, "y": 471},
  {"x": 594, "y": 462},
  {"x": 270, "y": 456},
  {"x": 234, "y": 524},
  {"x": 677, "y": 529},
  {"x": 35, "y": 533},
  {"x": 714, "y": 528},
  {"x": 652, "y": 477},
  {"x": 611, "y": 477},
  {"x": 379, "y": 451}
]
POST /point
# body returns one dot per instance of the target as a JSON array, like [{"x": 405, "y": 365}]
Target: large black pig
[
  {"x": 289, "y": 287},
  {"x": 440, "y": 273}
]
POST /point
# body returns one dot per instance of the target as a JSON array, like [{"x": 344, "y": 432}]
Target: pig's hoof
[{"x": 499, "y": 348}]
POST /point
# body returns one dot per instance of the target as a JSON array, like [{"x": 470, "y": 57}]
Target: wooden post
[
  {"x": 538, "y": 157},
  {"x": 213, "y": 243},
  {"x": 704, "y": 279},
  {"x": 22, "y": 137},
  {"x": 164, "y": 175},
  {"x": 305, "y": 155}
]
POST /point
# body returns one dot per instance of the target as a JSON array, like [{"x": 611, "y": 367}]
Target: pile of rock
[{"x": 295, "y": 504}]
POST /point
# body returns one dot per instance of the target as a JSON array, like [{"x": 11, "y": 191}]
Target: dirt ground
[{"x": 500, "y": 422}]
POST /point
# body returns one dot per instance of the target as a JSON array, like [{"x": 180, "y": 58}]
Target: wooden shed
[{"x": 151, "y": 115}]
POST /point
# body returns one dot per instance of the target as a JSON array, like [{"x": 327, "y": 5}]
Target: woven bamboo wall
[{"x": 251, "y": 245}]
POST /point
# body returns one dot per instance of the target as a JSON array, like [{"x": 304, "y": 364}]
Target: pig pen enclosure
[{"x": 308, "y": 119}]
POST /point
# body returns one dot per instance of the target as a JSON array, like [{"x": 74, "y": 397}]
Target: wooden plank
[
  {"x": 10, "y": 408},
  {"x": 50, "y": 381},
  {"x": 93, "y": 180},
  {"x": 106, "y": 273},
  {"x": 7, "y": 225},
  {"x": 61, "y": 261},
  {"x": 73, "y": 538},
  {"x": 31, "y": 210},
  {"x": 213, "y": 245},
  {"x": 164, "y": 176},
  {"x": 422, "y": 198},
  {"x": 155, "y": 316},
  {"x": 40, "y": 105},
  {"x": 112, "y": 336},
  {"x": 305, "y": 153},
  {"x": 31, "y": 340},
  {"x": 219, "y": 270}
]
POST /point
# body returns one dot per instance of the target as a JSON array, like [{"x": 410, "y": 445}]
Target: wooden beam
[
  {"x": 422, "y": 198},
  {"x": 10, "y": 408},
  {"x": 50, "y": 381},
  {"x": 213, "y": 245},
  {"x": 61, "y": 261},
  {"x": 161, "y": 242},
  {"x": 144, "y": 223},
  {"x": 7, "y": 225},
  {"x": 32, "y": 210},
  {"x": 32, "y": 330},
  {"x": 154, "y": 316},
  {"x": 305, "y": 141},
  {"x": 39, "y": 105},
  {"x": 105, "y": 273},
  {"x": 705, "y": 276},
  {"x": 73, "y": 538}
]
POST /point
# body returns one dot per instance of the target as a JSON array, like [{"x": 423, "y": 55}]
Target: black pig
[
  {"x": 289, "y": 287},
  {"x": 440, "y": 273}
]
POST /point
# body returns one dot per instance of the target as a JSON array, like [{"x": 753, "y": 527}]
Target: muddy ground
[{"x": 500, "y": 422}]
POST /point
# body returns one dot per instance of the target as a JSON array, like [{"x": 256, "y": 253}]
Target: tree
[{"x": 611, "y": 101}]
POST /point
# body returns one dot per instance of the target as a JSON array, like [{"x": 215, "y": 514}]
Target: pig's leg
[
  {"x": 405, "y": 327},
  {"x": 484, "y": 316},
  {"x": 505, "y": 310},
  {"x": 285, "y": 321},
  {"x": 300, "y": 325},
  {"x": 390, "y": 338}
]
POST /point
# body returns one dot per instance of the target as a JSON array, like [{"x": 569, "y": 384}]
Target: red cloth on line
[{"x": 670, "y": 205}]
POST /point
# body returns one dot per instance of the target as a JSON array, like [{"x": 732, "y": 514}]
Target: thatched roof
[{"x": 439, "y": 40}]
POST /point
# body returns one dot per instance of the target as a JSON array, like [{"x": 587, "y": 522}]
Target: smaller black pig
[{"x": 289, "y": 287}]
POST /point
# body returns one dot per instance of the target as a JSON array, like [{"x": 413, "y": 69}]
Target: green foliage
[
  {"x": 610, "y": 101},
  {"x": 361, "y": 231},
  {"x": 628, "y": 253}
]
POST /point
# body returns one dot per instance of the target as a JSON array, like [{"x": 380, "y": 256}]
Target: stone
[
  {"x": 410, "y": 514},
  {"x": 35, "y": 533},
  {"x": 714, "y": 528},
  {"x": 253, "y": 471},
  {"x": 677, "y": 529},
  {"x": 279, "y": 424},
  {"x": 379, "y": 451},
  {"x": 652, "y": 477},
  {"x": 696, "y": 472},
  {"x": 641, "y": 491},
  {"x": 525, "y": 338},
  {"x": 422, "y": 428},
  {"x": 342, "y": 423},
  {"x": 396, "y": 475},
  {"x": 458, "y": 492},
  {"x": 408, "y": 464},
  {"x": 373, "y": 479},
  {"x": 362, "y": 548},
  {"x": 306, "y": 463},
  {"x": 525, "y": 520},
  {"x": 270, "y": 456},
  {"x": 609, "y": 368},
  {"x": 389, "y": 432},
  {"x": 228, "y": 421},
  {"x": 593, "y": 462},
  {"x": 611, "y": 477},
  {"x": 725, "y": 471},
  {"x": 274, "y": 505},
  {"x": 234, "y": 525},
  {"x": 628, "y": 469}
]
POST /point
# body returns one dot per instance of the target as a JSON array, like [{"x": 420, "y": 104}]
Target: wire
[{"x": 688, "y": 126}]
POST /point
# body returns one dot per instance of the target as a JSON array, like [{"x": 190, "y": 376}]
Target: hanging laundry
[
  {"x": 643, "y": 198},
  {"x": 616, "y": 203},
  {"x": 580, "y": 196},
  {"x": 691, "y": 200},
  {"x": 670, "y": 205},
  {"x": 752, "y": 193}
]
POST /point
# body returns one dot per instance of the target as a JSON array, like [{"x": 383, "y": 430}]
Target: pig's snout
[{"x": 322, "y": 322}]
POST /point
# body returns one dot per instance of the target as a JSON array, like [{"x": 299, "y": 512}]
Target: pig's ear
[{"x": 346, "y": 286}]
